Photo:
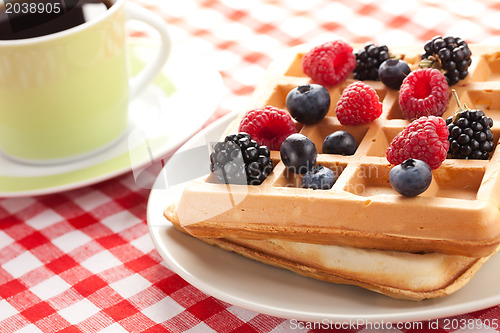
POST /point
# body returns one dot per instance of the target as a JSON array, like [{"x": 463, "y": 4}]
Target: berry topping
[
  {"x": 368, "y": 60},
  {"x": 411, "y": 177},
  {"x": 340, "y": 143},
  {"x": 240, "y": 160},
  {"x": 470, "y": 134},
  {"x": 308, "y": 104},
  {"x": 423, "y": 93},
  {"x": 359, "y": 104},
  {"x": 426, "y": 139},
  {"x": 392, "y": 72},
  {"x": 269, "y": 126},
  {"x": 298, "y": 153},
  {"x": 319, "y": 178},
  {"x": 329, "y": 63},
  {"x": 450, "y": 54}
]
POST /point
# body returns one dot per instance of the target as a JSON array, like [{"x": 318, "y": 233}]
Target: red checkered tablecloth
[{"x": 83, "y": 260}]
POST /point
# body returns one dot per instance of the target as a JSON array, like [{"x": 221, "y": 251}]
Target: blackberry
[
  {"x": 368, "y": 60},
  {"x": 449, "y": 54},
  {"x": 470, "y": 134},
  {"x": 240, "y": 160}
]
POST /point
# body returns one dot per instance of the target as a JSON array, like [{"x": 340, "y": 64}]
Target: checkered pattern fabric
[{"x": 83, "y": 261}]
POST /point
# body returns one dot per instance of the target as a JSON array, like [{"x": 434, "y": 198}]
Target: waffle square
[{"x": 458, "y": 215}]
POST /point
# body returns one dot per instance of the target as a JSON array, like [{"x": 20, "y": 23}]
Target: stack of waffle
[{"x": 361, "y": 232}]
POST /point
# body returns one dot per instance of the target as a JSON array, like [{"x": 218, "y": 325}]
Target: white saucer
[
  {"x": 163, "y": 117},
  {"x": 278, "y": 292}
]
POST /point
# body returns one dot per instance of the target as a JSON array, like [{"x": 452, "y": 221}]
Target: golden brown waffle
[
  {"x": 396, "y": 274},
  {"x": 458, "y": 214}
]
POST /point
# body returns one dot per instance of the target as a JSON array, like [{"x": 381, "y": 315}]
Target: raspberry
[
  {"x": 269, "y": 126},
  {"x": 329, "y": 63},
  {"x": 424, "y": 92},
  {"x": 425, "y": 139},
  {"x": 359, "y": 104}
]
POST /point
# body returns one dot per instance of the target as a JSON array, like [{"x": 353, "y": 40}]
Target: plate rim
[{"x": 407, "y": 315}]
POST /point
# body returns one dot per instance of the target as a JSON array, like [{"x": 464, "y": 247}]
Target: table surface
[{"x": 83, "y": 260}]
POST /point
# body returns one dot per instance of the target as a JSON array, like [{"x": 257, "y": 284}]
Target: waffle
[
  {"x": 399, "y": 275},
  {"x": 457, "y": 215}
]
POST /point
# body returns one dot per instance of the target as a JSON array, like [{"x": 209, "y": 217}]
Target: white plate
[
  {"x": 278, "y": 292},
  {"x": 162, "y": 118}
]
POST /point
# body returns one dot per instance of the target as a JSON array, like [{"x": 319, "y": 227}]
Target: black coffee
[{"x": 33, "y": 18}]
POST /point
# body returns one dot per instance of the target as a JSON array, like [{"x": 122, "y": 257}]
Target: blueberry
[
  {"x": 308, "y": 103},
  {"x": 392, "y": 72},
  {"x": 340, "y": 143},
  {"x": 411, "y": 177},
  {"x": 298, "y": 153},
  {"x": 319, "y": 178}
]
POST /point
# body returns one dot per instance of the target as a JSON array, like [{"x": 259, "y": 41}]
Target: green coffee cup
[{"x": 65, "y": 95}]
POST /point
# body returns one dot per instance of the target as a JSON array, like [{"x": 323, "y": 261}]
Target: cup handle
[{"x": 147, "y": 74}]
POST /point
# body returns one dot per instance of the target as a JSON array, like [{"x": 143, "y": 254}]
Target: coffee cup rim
[{"x": 60, "y": 34}]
